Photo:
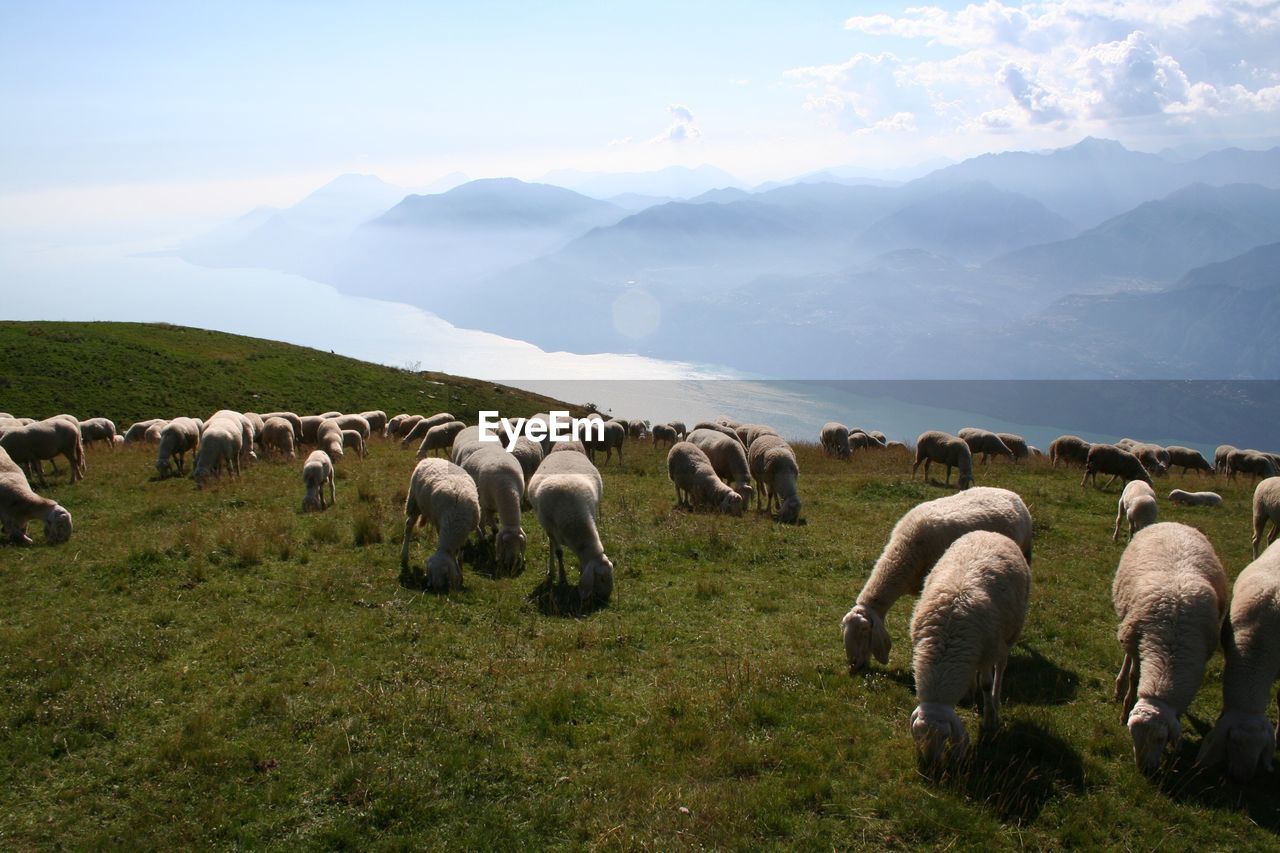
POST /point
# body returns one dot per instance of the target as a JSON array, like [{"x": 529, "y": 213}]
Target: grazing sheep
[
  {"x": 1250, "y": 462},
  {"x": 1137, "y": 504},
  {"x": 879, "y": 437},
  {"x": 1152, "y": 456},
  {"x": 1126, "y": 444},
  {"x": 1015, "y": 443},
  {"x": 180, "y": 437},
  {"x": 353, "y": 438},
  {"x": 138, "y": 431},
  {"x": 680, "y": 428},
  {"x": 565, "y": 494},
  {"x": 466, "y": 442},
  {"x": 637, "y": 429},
  {"x": 329, "y": 438},
  {"x": 859, "y": 440},
  {"x": 696, "y": 481},
  {"x": 35, "y": 442},
  {"x": 399, "y": 426},
  {"x": 357, "y": 423},
  {"x": 19, "y": 505},
  {"x": 317, "y": 472},
  {"x": 441, "y": 436},
  {"x": 294, "y": 421},
  {"x": 985, "y": 442},
  {"x": 748, "y": 433},
  {"x": 446, "y": 495},
  {"x": 529, "y": 454},
  {"x": 1069, "y": 449},
  {"x": 1220, "y": 457},
  {"x": 726, "y": 421},
  {"x": 970, "y": 613},
  {"x": 331, "y": 415},
  {"x": 419, "y": 430},
  {"x": 152, "y": 435},
  {"x": 945, "y": 449},
  {"x": 728, "y": 457},
  {"x": 221, "y": 445},
  {"x": 664, "y": 433},
  {"x": 258, "y": 422},
  {"x": 716, "y": 427},
  {"x": 917, "y": 542},
  {"x": 1119, "y": 463},
  {"x": 614, "y": 437},
  {"x": 278, "y": 437},
  {"x": 567, "y": 446},
  {"x": 835, "y": 440},
  {"x": 1178, "y": 496},
  {"x": 377, "y": 421},
  {"x": 310, "y": 426},
  {"x": 896, "y": 446},
  {"x": 1186, "y": 458},
  {"x": 97, "y": 429},
  {"x": 773, "y": 466},
  {"x": 1170, "y": 594},
  {"x": 1266, "y": 507},
  {"x": 247, "y": 436},
  {"x": 500, "y": 486},
  {"x": 1243, "y": 735}
]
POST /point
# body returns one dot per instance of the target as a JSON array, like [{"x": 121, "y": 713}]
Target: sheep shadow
[
  {"x": 481, "y": 555},
  {"x": 1016, "y": 771},
  {"x": 1032, "y": 679},
  {"x": 553, "y": 597},
  {"x": 1182, "y": 781}
]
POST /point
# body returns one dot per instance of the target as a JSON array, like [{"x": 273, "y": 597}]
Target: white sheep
[
  {"x": 1138, "y": 505},
  {"x": 329, "y": 438},
  {"x": 615, "y": 435},
  {"x": 985, "y": 442},
  {"x": 1116, "y": 461},
  {"x": 19, "y": 506},
  {"x": 444, "y": 494},
  {"x": 221, "y": 445},
  {"x": 1251, "y": 644},
  {"x": 500, "y": 486},
  {"x": 414, "y": 434},
  {"x": 377, "y": 420},
  {"x": 1170, "y": 594},
  {"x": 153, "y": 432},
  {"x": 970, "y": 613},
  {"x": 529, "y": 454},
  {"x": 728, "y": 457},
  {"x": 917, "y": 542},
  {"x": 748, "y": 433},
  {"x": 835, "y": 439},
  {"x": 775, "y": 470},
  {"x": 28, "y": 446},
  {"x": 97, "y": 429},
  {"x": 1178, "y": 496},
  {"x": 138, "y": 430},
  {"x": 566, "y": 493},
  {"x": 179, "y": 437},
  {"x": 294, "y": 421},
  {"x": 946, "y": 449},
  {"x": 353, "y": 438},
  {"x": 664, "y": 434},
  {"x": 317, "y": 472},
  {"x": 441, "y": 437},
  {"x": 357, "y": 423},
  {"x": 248, "y": 433},
  {"x": 278, "y": 436},
  {"x": 1266, "y": 507},
  {"x": 696, "y": 481}
]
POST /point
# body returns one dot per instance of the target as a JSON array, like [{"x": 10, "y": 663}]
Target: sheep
[
  {"x": 614, "y": 437},
  {"x": 748, "y": 433},
  {"x": 400, "y": 425},
  {"x": 331, "y": 415},
  {"x": 1170, "y": 594},
  {"x": 1137, "y": 504},
  {"x": 1119, "y": 463},
  {"x": 247, "y": 433},
  {"x": 1126, "y": 444},
  {"x": 1249, "y": 462},
  {"x": 1186, "y": 458},
  {"x": 729, "y": 459},
  {"x": 566, "y": 494},
  {"x": 664, "y": 433},
  {"x": 529, "y": 454},
  {"x": 1069, "y": 449},
  {"x": 294, "y": 421},
  {"x": 97, "y": 429},
  {"x": 567, "y": 446},
  {"x": 879, "y": 437},
  {"x": 863, "y": 440},
  {"x": 917, "y": 542},
  {"x": 970, "y": 613},
  {"x": 278, "y": 436},
  {"x": 945, "y": 449},
  {"x": 500, "y": 485},
  {"x": 440, "y": 437},
  {"x": 377, "y": 421},
  {"x": 1266, "y": 507},
  {"x": 637, "y": 429},
  {"x": 329, "y": 438},
  {"x": 353, "y": 438},
  {"x": 985, "y": 442},
  {"x": 1178, "y": 496},
  {"x": 1152, "y": 456},
  {"x": 1242, "y": 734},
  {"x": 138, "y": 430},
  {"x": 773, "y": 466},
  {"x": 716, "y": 427},
  {"x": 355, "y": 422},
  {"x": 835, "y": 440},
  {"x": 1220, "y": 457},
  {"x": 896, "y": 446},
  {"x": 310, "y": 425},
  {"x": 445, "y": 495},
  {"x": 180, "y": 436},
  {"x": 317, "y": 472},
  {"x": 1015, "y": 443},
  {"x": 153, "y": 433},
  {"x": 258, "y": 423},
  {"x": 419, "y": 430},
  {"x": 33, "y": 443},
  {"x": 221, "y": 445},
  {"x": 696, "y": 481},
  {"x": 680, "y": 428},
  {"x": 19, "y": 505}
]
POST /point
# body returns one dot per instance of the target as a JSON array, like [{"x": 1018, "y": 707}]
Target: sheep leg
[
  {"x": 948, "y": 480},
  {"x": 991, "y": 701},
  {"x": 1115, "y": 535},
  {"x": 409, "y": 524},
  {"x": 333, "y": 493},
  {"x": 1085, "y": 478},
  {"x": 1122, "y": 678},
  {"x": 1107, "y": 485},
  {"x": 560, "y": 559}
]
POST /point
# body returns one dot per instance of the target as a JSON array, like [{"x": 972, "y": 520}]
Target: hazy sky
[{"x": 216, "y": 107}]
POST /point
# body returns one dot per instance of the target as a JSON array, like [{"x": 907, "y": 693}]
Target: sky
[{"x": 121, "y": 109}]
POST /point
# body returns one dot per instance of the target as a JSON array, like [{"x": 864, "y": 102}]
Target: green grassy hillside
[{"x": 215, "y": 668}]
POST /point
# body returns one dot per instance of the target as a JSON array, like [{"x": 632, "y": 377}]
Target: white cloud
[{"x": 683, "y": 129}]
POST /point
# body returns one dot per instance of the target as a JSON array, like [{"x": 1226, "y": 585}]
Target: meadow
[{"x": 215, "y": 668}]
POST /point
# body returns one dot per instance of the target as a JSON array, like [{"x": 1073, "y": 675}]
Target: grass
[{"x": 216, "y": 668}]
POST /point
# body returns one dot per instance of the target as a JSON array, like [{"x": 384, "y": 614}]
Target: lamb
[
  {"x": 19, "y": 505},
  {"x": 664, "y": 433},
  {"x": 294, "y": 421},
  {"x": 1119, "y": 463},
  {"x": 500, "y": 486},
  {"x": 970, "y": 613},
  {"x": 419, "y": 430},
  {"x": 440, "y": 437},
  {"x": 353, "y": 438},
  {"x": 1242, "y": 734},
  {"x": 377, "y": 421},
  {"x": 221, "y": 445},
  {"x": 329, "y": 438},
  {"x": 946, "y": 449},
  {"x": 1250, "y": 462},
  {"x": 696, "y": 481},
  {"x": 97, "y": 429},
  {"x": 614, "y": 437},
  {"x": 35, "y": 442},
  {"x": 748, "y": 433},
  {"x": 317, "y": 472},
  {"x": 1170, "y": 594},
  {"x": 835, "y": 440},
  {"x": 180, "y": 437},
  {"x": 729, "y": 459},
  {"x": 1137, "y": 504},
  {"x": 1015, "y": 443},
  {"x": 1178, "y": 496},
  {"x": 773, "y": 466},
  {"x": 1266, "y": 507},
  {"x": 985, "y": 442},
  {"x": 1069, "y": 449},
  {"x": 278, "y": 436},
  {"x": 1220, "y": 457},
  {"x": 565, "y": 494},
  {"x": 917, "y": 542},
  {"x": 1186, "y": 458}
]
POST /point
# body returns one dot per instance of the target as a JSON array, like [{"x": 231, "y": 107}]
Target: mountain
[
  {"x": 636, "y": 202},
  {"x": 674, "y": 181},
  {"x": 724, "y": 195}
]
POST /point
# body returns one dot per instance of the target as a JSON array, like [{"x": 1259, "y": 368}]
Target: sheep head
[
  {"x": 934, "y": 727},
  {"x": 1246, "y": 741},
  {"x": 313, "y": 499},
  {"x": 57, "y": 525},
  {"x": 732, "y": 504},
  {"x": 443, "y": 572},
  {"x": 864, "y": 635},
  {"x": 510, "y": 547},
  {"x": 789, "y": 512},
  {"x": 596, "y": 582},
  {"x": 746, "y": 492},
  {"x": 965, "y": 481},
  {"x": 1153, "y": 725}
]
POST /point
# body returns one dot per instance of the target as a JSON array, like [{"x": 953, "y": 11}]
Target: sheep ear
[
  {"x": 1213, "y": 749},
  {"x": 880, "y": 642}
]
